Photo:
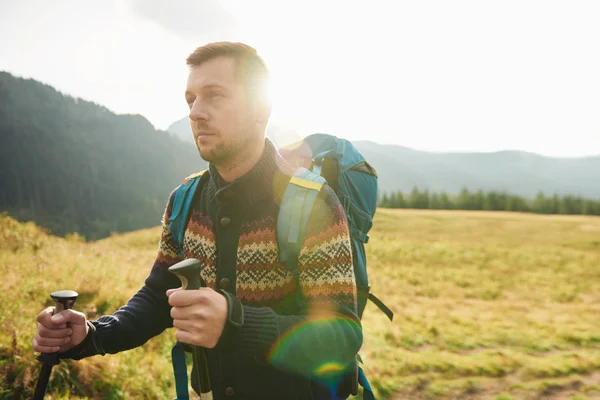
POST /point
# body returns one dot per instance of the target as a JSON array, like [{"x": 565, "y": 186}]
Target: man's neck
[{"x": 242, "y": 164}]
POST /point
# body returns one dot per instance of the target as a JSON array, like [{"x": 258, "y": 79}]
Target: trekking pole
[
  {"x": 188, "y": 271},
  {"x": 64, "y": 300}
]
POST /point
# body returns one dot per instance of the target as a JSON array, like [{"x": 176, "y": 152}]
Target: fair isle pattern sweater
[
  {"x": 325, "y": 262},
  {"x": 283, "y": 342}
]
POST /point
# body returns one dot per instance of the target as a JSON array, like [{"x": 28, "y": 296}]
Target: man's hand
[
  {"x": 199, "y": 316},
  {"x": 54, "y": 335}
]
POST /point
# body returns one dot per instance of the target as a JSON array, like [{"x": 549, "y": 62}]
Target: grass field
[{"x": 487, "y": 306}]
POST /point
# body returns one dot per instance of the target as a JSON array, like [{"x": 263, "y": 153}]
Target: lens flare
[
  {"x": 312, "y": 348},
  {"x": 329, "y": 368}
]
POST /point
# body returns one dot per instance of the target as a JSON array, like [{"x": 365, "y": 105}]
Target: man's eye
[
  {"x": 215, "y": 94},
  {"x": 190, "y": 102}
]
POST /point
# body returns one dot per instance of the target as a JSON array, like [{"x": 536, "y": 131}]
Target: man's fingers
[
  {"x": 54, "y": 333},
  {"x": 60, "y": 320},
  {"x": 180, "y": 312},
  {"x": 195, "y": 339},
  {"x": 183, "y": 298},
  {"x": 59, "y": 332},
  {"x": 72, "y": 316},
  {"x": 192, "y": 312},
  {"x": 45, "y": 349},
  {"x": 186, "y": 337},
  {"x": 45, "y": 316},
  {"x": 52, "y": 342},
  {"x": 185, "y": 325}
]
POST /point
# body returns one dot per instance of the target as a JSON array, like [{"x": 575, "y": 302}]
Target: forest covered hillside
[{"x": 74, "y": 166}]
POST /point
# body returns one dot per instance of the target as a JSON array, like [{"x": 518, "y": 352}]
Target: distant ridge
[
  {"x": 518, "y": 172},
  {"x": 72, "y": 165}
]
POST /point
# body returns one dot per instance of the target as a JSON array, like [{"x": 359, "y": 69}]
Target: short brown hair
[{"x": 251, "y": 68}]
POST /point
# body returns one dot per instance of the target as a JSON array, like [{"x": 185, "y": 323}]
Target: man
[{"x": 270, "y": 335}]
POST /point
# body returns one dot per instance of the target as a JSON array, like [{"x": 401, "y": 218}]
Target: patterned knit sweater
[{"x": 297, "y": 334}]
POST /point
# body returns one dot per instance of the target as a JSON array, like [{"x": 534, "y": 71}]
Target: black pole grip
[
  {"x": 188, "y": 271},
  {"x": 63, "y": 300}
]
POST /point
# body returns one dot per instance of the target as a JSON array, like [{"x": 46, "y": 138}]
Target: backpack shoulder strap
[
  {"x": 181, "y": 207},
  {"x": 180, "y": 371},
  {"x": 182, "y": 202},
  {"x": 294, "y": 213},
  {"x": 381, "y": 305}
]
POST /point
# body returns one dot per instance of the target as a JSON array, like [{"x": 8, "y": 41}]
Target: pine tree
[
  {"x": 385, "y": 201},
  {"x": 542, "y": 204},
  {"x": 490, "y": 202},
  {"x": 414, "y": 198},
  {"x": 464, "y": 200},
  {"x": 556, "y": 205},
  {"x": 445, "y": 203},
  {"x": 589, "y": 207},
  {"x": 399, "y": 200},
  {"x": 434, "y": 202},
  {"x": 478, "y": 200},
  {"x": 424, "y": 199}
]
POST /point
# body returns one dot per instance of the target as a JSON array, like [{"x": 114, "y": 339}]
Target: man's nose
[{"x": 198, "y": 111}]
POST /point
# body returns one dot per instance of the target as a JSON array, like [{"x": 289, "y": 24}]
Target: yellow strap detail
[
  {"x": 306, "y": 184},
  {"x": 192, "y": 176}
]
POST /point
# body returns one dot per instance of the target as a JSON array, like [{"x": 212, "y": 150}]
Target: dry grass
[
  {"x": 105, "y": 274},
  {"x": 488, "y": 306}
]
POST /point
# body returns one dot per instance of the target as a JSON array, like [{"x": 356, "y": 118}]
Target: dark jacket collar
[{"x": 266, "y": 180}]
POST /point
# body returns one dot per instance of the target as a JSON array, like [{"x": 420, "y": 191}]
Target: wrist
[
  {"x": 235, "y": 310},
  {"x": 234, "y": 320},
  {"x": 87, "y": 347}
]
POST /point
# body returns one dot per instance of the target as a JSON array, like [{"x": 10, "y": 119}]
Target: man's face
[{"x": 223, "y": 121}]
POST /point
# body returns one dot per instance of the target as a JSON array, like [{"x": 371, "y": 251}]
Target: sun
[
  {"x": 309, "y": 96},
  {"x": 287, "y": 103}
]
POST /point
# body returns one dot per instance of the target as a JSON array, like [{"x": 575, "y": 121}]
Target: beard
[{"x": 224, "y": 150}]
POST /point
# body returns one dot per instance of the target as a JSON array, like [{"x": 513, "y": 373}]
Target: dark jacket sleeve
[
  {"x": 145, "y": 315},
  {"x": 326, "y": 335}
]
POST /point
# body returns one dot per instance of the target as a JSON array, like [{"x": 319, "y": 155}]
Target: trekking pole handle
[
  {"x": 188, "y": 272},
  {"x": 63, "y": 300}
]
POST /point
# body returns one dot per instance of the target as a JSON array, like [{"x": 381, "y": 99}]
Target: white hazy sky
[{"x": 432, "y": 75}]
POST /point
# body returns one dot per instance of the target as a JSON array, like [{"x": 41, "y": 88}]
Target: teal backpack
[{"x": 320, "y": 159}]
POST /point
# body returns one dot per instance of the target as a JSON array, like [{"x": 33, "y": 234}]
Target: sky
[{"x": 442, "y": 76}]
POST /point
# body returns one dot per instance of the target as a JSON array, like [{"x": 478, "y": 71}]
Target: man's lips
[{"x": 203, "y": 134}]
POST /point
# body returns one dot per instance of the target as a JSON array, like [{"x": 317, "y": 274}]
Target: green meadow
[{"x": 488, "y": 305}]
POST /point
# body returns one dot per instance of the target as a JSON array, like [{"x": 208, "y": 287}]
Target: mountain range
[
  {"x": 74, "y": 166},
  {"x": 517, "y": 172}
]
